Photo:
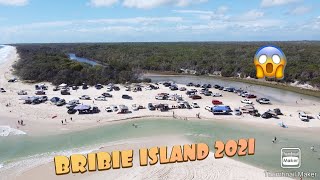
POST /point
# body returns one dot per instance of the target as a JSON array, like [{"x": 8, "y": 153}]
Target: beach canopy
[
  {"x": 25, "y": 98},
  {"x": 63, "y": 85},
  {"x": 28, "y": 98},
  {"x": 123, "y": 107},
  {"x": 82, "y": 107}
]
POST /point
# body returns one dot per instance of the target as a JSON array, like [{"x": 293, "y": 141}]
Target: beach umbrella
[{"x": 25, "y": 98}]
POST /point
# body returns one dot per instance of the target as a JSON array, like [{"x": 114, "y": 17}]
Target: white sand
[{"x": 39, "y": 121}]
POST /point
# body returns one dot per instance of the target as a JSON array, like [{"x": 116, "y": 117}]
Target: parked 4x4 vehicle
[
  {"x": 65, "y": 92},
  {"x": 107, "y": 95},
  {"x": 40, "y": 93},
  {"x": 85, "y": 97},
  {"x": 151, "y": 107},
  {"x": 263, "y": 101},
  {"x": 195, "y": 97},
  {"x": 126, "y": 96},
  {"x": 22, "y": 92}
]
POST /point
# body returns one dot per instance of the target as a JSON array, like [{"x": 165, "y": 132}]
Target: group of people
[
  {"x": 274, "y": 140},
  {"x": 65, "y": 121},
  {"x": 21, "y": 122},
  {"x": 312, "y": 148}
]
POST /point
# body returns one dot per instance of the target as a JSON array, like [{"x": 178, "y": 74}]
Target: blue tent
[{"x": 221, "y": 110}]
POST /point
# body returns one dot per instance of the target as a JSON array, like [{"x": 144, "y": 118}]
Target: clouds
[
  {"x": 271, "y": 3},
  {"x": 300, "y": 10},
  {"x": 144, "y": 4},
  {"x": 141, "y": 4},
  {"x": 252, "y": 15},
  {"x": 103, "y": 3},
  {"x": 14, "y": 2},
  {"x": 106, "y": 23},
  {"x": 175, "y": 20}
]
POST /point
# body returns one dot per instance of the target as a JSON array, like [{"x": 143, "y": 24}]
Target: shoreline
[{"x": 102, "y": 124}]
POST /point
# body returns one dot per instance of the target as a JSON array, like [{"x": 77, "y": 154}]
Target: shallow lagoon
[{"x": 267, "y": 156}]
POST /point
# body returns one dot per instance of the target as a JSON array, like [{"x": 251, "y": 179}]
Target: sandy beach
[
  {"x": 39, "y": 118},
  {"x": 45, "y": 119}
]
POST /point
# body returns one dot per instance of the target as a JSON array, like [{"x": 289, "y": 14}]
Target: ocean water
[
  {"x": 37, "y": 150},
  {"x": 4, "y": 52}
]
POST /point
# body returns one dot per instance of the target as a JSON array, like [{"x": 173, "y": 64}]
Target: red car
[
  {"x": 251, "y": 96},
  {"x": 196, "y": 97},
  {"x": 216, "y": 102}
]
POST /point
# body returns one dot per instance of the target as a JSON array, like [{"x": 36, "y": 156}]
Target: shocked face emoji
[{"x": 270, "y": 62}]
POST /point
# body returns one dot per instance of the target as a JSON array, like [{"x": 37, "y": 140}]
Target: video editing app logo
[
  {"x": 290, "y": 158},
  {"x": 270, "y": 62}
]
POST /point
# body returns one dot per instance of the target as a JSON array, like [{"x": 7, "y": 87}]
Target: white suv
[
  {"x": 195, "y": 105},
  {"x": 263, "y": 101},
  {"x": 208, "y": 108}
]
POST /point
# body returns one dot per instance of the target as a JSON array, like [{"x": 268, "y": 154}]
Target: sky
[{"x": 47, "y": 21}]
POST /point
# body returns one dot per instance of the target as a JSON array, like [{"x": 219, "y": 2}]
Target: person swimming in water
[
  {"x": 274, "y": 140},
  {"x": 312, "y": 149}
]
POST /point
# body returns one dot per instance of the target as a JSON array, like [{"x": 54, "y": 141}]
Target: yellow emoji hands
[{"x": 270, "y": 62}]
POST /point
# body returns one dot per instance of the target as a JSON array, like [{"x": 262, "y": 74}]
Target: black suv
[
  {"x": 151, "y": 107},
  {"x": 126, "y": 97}
]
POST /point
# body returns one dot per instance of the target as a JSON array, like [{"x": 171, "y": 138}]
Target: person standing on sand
[
  {"x": 173, "y": 114},
  {"x": 65, "y": 120},
  {"x": 62, "y": 122},
  {"x": 71, "y": 118}
]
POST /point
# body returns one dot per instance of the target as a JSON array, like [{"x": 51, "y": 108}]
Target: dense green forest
[
  {"x": 47, "y": 63},
  {"x": 122, "y": 59}
]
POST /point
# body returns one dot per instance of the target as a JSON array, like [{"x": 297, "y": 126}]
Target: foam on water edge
[
  {"x": 24, "y": 164},
  {"x": 5, "y": 52},
  {"x": 7, "y": 131}
]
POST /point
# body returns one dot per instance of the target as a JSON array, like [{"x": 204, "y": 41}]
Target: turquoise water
[{"x": 267, "y": 154}]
